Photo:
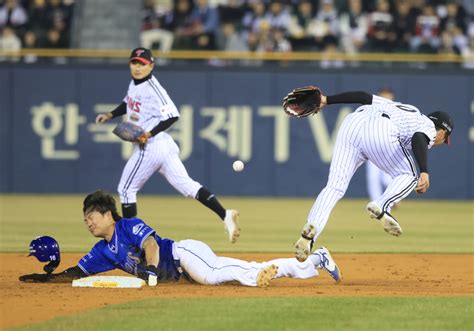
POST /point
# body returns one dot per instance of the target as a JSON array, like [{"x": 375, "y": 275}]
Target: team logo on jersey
[
  {"x": 137, "y": 228},
  {"x": 134, "y": 105}
]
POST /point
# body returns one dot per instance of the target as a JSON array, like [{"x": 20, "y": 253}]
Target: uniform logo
[
  {"x": 137, "y": 228},
  {"x": 134, "y": 105},
  {"x": 139, "y": 52}
]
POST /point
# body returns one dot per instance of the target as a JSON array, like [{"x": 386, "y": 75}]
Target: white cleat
[
  {"x": 303, "y": 245},
  {"x": 231, "y": 225},
  {"x": 389, "y": 223},
  {"x": 266, "y": 275},
  {"x": 328, "y": 264}
]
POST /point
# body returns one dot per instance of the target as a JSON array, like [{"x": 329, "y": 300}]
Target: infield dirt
[{"x": 363, "y": 275}]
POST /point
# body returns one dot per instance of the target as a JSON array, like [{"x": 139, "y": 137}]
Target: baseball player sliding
[
  {"x": 381, "y": 131},
  {"x": 134, "y": 247},
  {"x": 149, "y": 106}
]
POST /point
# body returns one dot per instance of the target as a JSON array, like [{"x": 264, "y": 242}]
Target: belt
[{"x": 385, "y": 115}]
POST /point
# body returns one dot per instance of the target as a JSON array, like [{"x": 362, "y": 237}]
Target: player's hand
[
  {"x": 423, "y": 183},
  {"x": 142, "y": 140},
  {"x": 324, "y": 101},
  {"x": 102, "y": 118},
  {"x": 152, "y": 272}
]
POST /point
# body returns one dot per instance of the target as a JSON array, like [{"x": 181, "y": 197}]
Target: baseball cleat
[
  {"x": 328, "y": 264},
  {"x": 304, "y": 244},
  {"x": 231, "y": 225},
  {"x": 389, "y": 223},
  {"x": 266, "y": 275}
]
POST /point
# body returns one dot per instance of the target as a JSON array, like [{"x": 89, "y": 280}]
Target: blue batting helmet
[{"x": 45, "y": 249}]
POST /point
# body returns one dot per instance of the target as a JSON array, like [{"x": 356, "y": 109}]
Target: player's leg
[
  {"x": 345, "y": 161},
  {"x": 374, "y": 181},
  {"x": 205, "y": 267},
  {"x": 291, "y": 267},
  {"x": 175, "y": 173},
  {"x": 384, "y": 149},
  {"x": 139, "y": 168}
]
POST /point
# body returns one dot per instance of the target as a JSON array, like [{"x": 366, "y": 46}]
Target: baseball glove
[
  {"x": 302, "y": 101},
  {"x": 129, "y": 132}
]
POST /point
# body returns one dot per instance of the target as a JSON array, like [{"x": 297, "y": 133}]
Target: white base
[{"x": 109, "y": 282}]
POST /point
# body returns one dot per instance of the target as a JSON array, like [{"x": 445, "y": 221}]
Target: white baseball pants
[
  {"x": 206, "y": 268},
  {"x": 377, "y": 180},
  {"x": 160, "y": 154}
]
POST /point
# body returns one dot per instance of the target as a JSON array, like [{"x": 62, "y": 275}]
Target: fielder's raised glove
[
  {"x": 302, "y": 101},
  {"x": 129, "y": 132}
]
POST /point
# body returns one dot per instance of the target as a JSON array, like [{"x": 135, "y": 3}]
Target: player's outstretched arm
[{"x": 66, "y": 276}]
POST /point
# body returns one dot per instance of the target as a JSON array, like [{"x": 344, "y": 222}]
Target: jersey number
[{"x": 407, "y": 108}]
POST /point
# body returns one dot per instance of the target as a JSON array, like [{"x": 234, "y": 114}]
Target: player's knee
[{"x": 336, "y": 190}]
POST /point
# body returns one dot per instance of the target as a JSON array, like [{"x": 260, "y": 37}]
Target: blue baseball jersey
[{"x": 125, "y": 251}]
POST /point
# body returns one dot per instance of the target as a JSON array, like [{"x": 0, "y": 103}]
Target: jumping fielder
[
  {"x": 134, "y": 247},
  {"x": 149, "y": 106},
  {"x": 382, "y": 131}
]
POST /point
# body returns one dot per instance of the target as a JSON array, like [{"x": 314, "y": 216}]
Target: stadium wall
[{"x": 50, "y": 143}]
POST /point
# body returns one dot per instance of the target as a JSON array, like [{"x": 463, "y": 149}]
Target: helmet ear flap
[{"x": 51, "y": 266}]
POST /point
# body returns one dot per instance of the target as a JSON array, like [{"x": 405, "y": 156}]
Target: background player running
[
  {"x": 134, "y": 247},
  {"x": 149, "y": 106},
  {"x": 381, "y": 131}
]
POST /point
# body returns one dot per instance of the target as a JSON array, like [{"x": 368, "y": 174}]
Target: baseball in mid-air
[{"x": 238, "y": 165}]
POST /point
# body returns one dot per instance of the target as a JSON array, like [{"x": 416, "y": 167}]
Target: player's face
[
  {"x": 98, "y": 224},
  {"x": 441, "y": 136},
  {"x": 140, "y": 70}
]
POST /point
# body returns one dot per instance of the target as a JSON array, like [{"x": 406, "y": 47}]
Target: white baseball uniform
[
  {"x": 205, "y": 267},
  {"x": 377, "y": 180},
  {"x": 148, "y": 104},
  {"x": 380, "y": 132}
]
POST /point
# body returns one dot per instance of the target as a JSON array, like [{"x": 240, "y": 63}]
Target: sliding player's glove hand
[
  {"x": 128, "y": 131},
  {"x": 35, "y": 278},
  {"x": 302, "y": 101}
]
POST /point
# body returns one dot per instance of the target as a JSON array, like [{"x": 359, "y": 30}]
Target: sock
[
  {"x": 210, "y": 201},
  {"x": 129, "y": 210},
  {"x": 316, "y": 259}
]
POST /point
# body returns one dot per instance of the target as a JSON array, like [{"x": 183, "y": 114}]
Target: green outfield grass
[
  {"x": 274, "y": 314},
  {"x": 268, "y": 225}
]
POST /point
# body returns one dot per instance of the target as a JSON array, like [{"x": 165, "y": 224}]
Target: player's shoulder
[
  {"x": 406, "y": 107},
  {"x": 131, "y": 225},
  {"x": 128, "y": 222},
  {"x": 378, "y": 100},
  {"x": 427, "y": 120},
  {"x": 99, "y": 246}
]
